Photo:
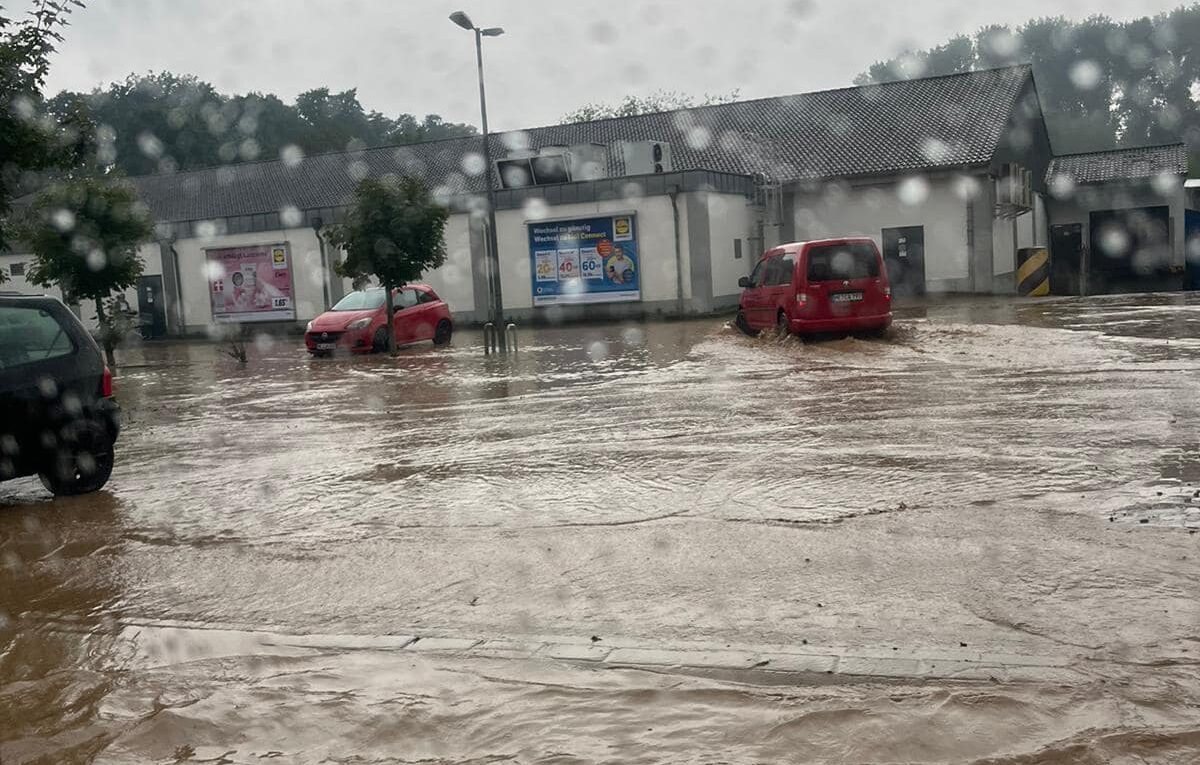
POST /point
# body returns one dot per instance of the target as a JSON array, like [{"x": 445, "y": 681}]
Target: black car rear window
[
  {"x": 29, "y": 334},
  {"x": 837, "y": 262}
]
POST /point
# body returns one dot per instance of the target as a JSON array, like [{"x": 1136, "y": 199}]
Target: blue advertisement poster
[{"x": 585, "y": 260}]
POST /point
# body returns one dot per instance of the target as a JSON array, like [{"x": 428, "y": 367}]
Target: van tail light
[
  {"x": 801, "y": 298},
  {"x": 106, "y": 383},
  {"x": 887, "y": 292}
]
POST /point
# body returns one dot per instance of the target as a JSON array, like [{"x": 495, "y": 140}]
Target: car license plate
[
  {"x": 846, "y": 297},
  {"x": 326, "y": 346}
]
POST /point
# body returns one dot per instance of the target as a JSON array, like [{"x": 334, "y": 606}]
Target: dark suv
[{"x": 57, "y": 416}]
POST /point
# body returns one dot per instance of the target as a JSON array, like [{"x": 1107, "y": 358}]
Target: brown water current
[{"x": 1013, "y": 478}]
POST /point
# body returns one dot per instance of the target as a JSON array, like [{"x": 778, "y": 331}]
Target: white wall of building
[
  {"x": 453, "y": 281},
  {"x": 1003, "y": 246},
  {"x": 655, "y": 240},
  {"x": 729, "y": 217},
  {"x": 841, "y": 210},
  {"x": 152, "y": 265}
]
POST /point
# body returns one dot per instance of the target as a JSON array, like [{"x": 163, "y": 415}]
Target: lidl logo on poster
[{"x": 585, "y": 260}]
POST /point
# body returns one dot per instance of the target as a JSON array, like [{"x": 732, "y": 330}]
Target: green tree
[
  {"x": 658, "y": 101},
  {"x": 29, "y": 142},
  {"x": 1102, "y": 82},
  {"x": 84, "y": 234},
  {"x": 394, "y": 232},
  {"x": 160, "y": 122}
]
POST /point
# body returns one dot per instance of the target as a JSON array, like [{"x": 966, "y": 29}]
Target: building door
[
  {"x": 904, "y": 257},
  {"x": 152, "y": 309},
  {"x": 1130, "y": 250},
  {"x": 1066, "y": 258}
]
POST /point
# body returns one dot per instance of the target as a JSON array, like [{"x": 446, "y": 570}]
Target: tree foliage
[
  {"x": 84, "y": 234},
  {"x": 1102, "y": 82},
  {"x": 658, "y": 101},
  {"x": 393, "y": 231},
  {"x": 30, "y": 142},
  {"x": 165, "y": 122}
]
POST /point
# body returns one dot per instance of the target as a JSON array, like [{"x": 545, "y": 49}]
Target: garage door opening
[{"x": 1130, "y": 251}]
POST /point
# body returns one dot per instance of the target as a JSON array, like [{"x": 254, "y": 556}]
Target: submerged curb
[{"x": 160, "y": 643}]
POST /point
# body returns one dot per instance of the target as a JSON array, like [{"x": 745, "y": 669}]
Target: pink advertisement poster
[{"x": 251, "y": 283}]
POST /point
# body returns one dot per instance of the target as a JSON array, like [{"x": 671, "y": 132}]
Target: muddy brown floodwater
[{"x": 1013, "y": 479}]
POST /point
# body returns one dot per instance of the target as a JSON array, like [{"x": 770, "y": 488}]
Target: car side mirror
[{"x": 744, "y": 282}]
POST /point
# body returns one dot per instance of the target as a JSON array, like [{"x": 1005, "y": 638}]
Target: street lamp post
[{"x": 495, "y": 298}]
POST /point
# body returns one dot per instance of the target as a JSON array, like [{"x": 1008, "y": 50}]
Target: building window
[
  {"x": 17, "y": 269},
  {"x": 737, "y": 249}
]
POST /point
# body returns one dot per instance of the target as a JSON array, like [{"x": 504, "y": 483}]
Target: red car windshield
[{"x": 363, "y": 300}]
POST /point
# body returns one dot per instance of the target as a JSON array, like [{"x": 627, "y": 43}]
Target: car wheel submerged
[
  {"x": 83, "y": 464},
  {"x": 741, "y": 323},
  {"x": 442, "y": 334},
  {"x": 379, "y": 341},
  {"x": 782, "y": 324}
]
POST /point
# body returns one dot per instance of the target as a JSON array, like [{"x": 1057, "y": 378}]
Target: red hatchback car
[
  {"x": 831, "y": 285},
  {"x": 358, "y": 322}
]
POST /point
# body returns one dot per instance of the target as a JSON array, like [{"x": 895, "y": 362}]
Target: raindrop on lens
[
  {"x": 597, "y": 351},
  {"x": 1085, "y": 74},
  {"x": 473, "y": 163},
  {"x": 913, "y": 190},
  {"x": 292, "y": 155},
  {"x": 535, "y": 208},
  {"x": 290, "y": 217}
]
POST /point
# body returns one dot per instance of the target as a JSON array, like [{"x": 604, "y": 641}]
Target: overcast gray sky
[{"x": 405, "y": 56}]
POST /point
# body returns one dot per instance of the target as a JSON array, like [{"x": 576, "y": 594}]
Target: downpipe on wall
[{"x": 673, "y": 193}]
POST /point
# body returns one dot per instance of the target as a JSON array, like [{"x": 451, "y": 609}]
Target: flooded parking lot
[{"x": 1008, "y": 478}]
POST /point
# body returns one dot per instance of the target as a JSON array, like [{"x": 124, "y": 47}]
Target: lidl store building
[{"x": 660, "y": 214}]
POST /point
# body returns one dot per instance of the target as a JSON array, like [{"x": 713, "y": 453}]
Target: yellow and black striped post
[{"x": 1033, "y": 271}]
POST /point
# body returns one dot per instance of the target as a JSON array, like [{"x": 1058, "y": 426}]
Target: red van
[{"x": 830, "y": 285}]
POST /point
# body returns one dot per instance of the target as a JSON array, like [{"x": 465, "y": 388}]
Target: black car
[{"x": 58, "y": 419}]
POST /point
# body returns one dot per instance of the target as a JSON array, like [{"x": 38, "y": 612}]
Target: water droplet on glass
[
  {"x": 801, "y": 8},
  {"x": 633, "y": 336},
  {"x": 149, "y": 145},
  {"x": 249, "y": 149},
  {"x": 535, "y": 208},
  {"x": 357, "y": 169},
  {"x": 1165, "y": 184},
  {"x": 602, "y": 32},
  {"x": 1085, "y": 74},
  {"x": 966, "y": 187},
  {"x": 263, "y": 342},
  {"x": 473, "y": 163},
  {"x": 597, "y": 351},
  {"x": 1114, "y": 241},
  {"x": 291, "y": 217},
  {"x": 913, "y": 190},
  {"x": 1062, "y": 186},
  {"x": 63, "y": 220},
  {"x": 515, "y": 140},
  {"x": 292, "y": 155},
  {"x": 699, "y": 138},
  {"x": 96, "y": 259},
  {"x": 935, "y": 150}
]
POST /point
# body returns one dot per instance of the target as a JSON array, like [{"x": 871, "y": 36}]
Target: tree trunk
[
  {"x": 106, "y": 333},
  {"x": 391, "y": 319}
]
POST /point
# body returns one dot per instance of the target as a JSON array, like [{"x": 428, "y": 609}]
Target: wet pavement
[{"x": 995, "y": 479}]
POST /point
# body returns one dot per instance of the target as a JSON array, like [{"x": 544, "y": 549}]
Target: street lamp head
[
  {"x": 491, "y": 32},
  {"x": 462, "y": 19}
]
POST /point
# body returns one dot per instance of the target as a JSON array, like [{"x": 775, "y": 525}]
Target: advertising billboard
[
  {"x": 585, "y": 260},
  {"x": 250, "y": 284}
]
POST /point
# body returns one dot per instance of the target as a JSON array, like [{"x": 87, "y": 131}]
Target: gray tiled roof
[
  {"x": 1121, "y": 164},
  {"x": 911, "y": 125}
]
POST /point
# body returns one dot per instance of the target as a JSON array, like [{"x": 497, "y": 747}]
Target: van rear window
[{"x": 842, "y": 261}]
